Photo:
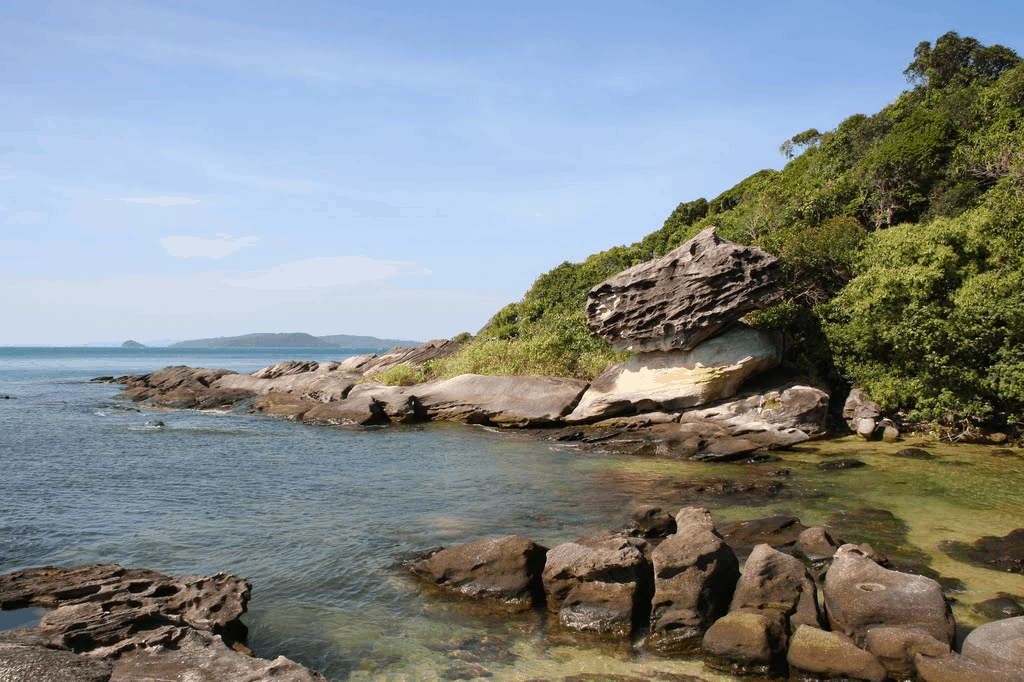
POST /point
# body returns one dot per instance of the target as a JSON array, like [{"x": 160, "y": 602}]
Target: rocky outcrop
[
  {"x": 111, "y": 623},
  {"x": 371, "y": 364},
  {"x": 676, "y": 380},
  {"x": 505, "y": 569},
  {"x": 688, "y": 295}
]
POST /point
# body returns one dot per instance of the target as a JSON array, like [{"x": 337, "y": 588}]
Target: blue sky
[{"x": 174, "y": 170}]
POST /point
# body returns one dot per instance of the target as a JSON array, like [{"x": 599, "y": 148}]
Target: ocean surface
[{"x": 320, "y": 519}]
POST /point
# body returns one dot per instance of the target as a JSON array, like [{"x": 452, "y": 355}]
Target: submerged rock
[
  {"x": 999, "y": 553},
  {"x": 688, "y": 295}
]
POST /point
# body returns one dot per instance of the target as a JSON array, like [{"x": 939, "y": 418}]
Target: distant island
[
  {"x": 296, "y": 340},
  {"x": 133, "y": 344}
]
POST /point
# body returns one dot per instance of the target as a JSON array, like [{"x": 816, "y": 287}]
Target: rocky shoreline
[
  {"x": 106, "y": 623},
  {"x": 817, "y": 609}
]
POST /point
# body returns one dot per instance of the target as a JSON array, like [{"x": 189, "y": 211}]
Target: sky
[{"x": 401, "y": 169}]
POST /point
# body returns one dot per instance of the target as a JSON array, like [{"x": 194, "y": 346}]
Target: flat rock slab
[
  {"x": 36, "y": 663},
  {"x": 501, "y": 400},
  {"x": 678, "y": 379},
  {"x": 688, "y": 295}
]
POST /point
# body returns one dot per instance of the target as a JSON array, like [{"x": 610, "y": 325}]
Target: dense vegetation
[{"x": 900, "y": 234}]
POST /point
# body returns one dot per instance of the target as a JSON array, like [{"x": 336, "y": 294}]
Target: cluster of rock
[
  {"x": 825, "y": 611},
  {"x": 108, "y": 623},
  {"x": 682, "y": 312}
]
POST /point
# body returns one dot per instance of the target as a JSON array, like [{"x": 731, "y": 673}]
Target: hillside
[
  {"x": 900, "y": 234},
  {"x": 295, "y": 340}
]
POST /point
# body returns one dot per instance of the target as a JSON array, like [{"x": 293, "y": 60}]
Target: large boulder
[
  {"x": 688, "y": 295},
  {"x": 178, "y": 387},
  {"x": 506, "y": 569},
  {"x": 776, "y": 581},
  {"x": 695, "y": 573},
  {"x": 998, "y": 645},
  {"x": 308, "y": 380},
  {"x": 675, "y": 380},
  {"x": 501, "y": 400},
  {"x": 860, "y": 595},
  {"x": 599, "y": 584}
]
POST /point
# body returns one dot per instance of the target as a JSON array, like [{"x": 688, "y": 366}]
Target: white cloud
[
  {"x": 325, "y": 271},
  {"x": 7, "y": 177},
  {"x": 163, "y": 202},
  {"x": 25, "y": 218},
  {"x": 197, "y": 247}
]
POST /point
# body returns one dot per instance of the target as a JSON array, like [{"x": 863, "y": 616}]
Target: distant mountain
[
  {"x": 297, "y": 340},
  {"x": 132, "y": 344}
]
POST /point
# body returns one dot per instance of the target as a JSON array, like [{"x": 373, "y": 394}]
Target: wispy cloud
[
  {"x": 163, "y": 202},
  {"x": 197, "y": 247},
  {"x": 326, "y": 271}
]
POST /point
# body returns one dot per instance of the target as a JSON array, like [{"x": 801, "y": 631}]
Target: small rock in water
[
  {"x": 5, "y": 397},
  {"x": 155, "y": 424},
  {"x": 915, "y": 453},
  {"x": 840, "y": 464},
  {"x": 1004, "y": 606}
]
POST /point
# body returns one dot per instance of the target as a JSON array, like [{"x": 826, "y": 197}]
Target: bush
[
  {"x": 933, "y": 322},
  {"x": 400, "y": 375}
]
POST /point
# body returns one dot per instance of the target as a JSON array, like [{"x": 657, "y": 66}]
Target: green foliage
[
  {"x": 462, "y": 337},
  {"x": 400, "y": 375},
  {"x": 934, "y": 320},
  {"x": 561, "y": 346}
]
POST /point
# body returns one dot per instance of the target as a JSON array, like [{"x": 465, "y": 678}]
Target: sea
[{"x": 323, "y": 520}]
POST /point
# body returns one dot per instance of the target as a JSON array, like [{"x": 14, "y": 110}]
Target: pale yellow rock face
[{"x": 677, "y": 379}]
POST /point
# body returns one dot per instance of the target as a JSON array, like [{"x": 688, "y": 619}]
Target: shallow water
[{"x": 318, "y": 518}]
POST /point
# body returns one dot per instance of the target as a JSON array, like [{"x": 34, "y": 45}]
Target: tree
[
  {"x": 955, "y": 62},
  {"x": 801, "y": 141}
]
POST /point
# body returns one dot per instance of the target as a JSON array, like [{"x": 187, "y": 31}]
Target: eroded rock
[
  {"x": 688, "y": 295},
  {"x": 832, "y": 655}
]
